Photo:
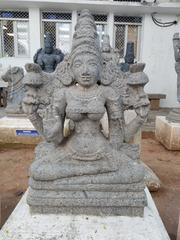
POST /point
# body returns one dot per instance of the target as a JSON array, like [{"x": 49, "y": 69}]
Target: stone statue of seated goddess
[{"x": 84, "y": 172}]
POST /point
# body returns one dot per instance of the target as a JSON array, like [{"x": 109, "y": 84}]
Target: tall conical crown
[{"x": 85, "y": 38}]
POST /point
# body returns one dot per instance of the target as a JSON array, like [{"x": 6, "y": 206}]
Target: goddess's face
[{"x": 85, "y": 68}]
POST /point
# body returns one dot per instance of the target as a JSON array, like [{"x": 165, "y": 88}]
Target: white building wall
[
  {"x": 157, "y": 53},
  {"x": 34, "y": 41},
  {"x": 34, "y": 30},
  {"x": 13, "y": 61}
]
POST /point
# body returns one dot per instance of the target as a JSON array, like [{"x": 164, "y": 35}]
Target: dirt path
[
  {"x": 166, "y": 164},
  {"x": 14, "y": 164}
]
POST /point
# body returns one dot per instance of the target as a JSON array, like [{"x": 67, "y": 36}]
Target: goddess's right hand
[{"x": 30, "y": 103}]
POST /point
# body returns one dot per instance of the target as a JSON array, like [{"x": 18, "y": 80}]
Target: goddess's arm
[
  {"x": 53, "y": 123},
  {"x": 30, "y": 107},
  {"x": 115, "y": 117},
  {"x": 135, "y": 98},
  {"x": 131, "y": 128}
]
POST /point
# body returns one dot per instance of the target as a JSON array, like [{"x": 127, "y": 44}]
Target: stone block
[
  {"x": 9, "y": 127},
  {"x": 167, "y": 133},
  {"x": 154, "y": 99},
  {"x": 22, "y": 225}
]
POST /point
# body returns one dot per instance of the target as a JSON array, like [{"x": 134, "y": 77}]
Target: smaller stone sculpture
[
  {"x": 129, "y": 57},
  {"x": 48, "y": 57},
  {"x": 14, "y": 77},
  {"x": 108, "y": 53},
  {"x": 174, "y": 115}
]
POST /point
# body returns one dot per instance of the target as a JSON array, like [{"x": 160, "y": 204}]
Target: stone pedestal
[
  {"x": 168, "y": 133},
  {"x": 17, "y": 130},
  {"x": 174, "y": 115},
  {"x": 21, "y": 225}
]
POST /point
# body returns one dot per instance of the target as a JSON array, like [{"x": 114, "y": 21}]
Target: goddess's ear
[
  {"x": 108, "y": 73},
  {"x": 64, "y": 73}
]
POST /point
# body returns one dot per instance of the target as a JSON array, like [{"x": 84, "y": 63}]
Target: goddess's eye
[
  {"x": 77, "y": 64},
  {"x": 92, "y": 64}
]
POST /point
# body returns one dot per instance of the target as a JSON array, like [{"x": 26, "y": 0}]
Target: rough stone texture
[
  {"x": 107, "y": 52},
  {"x": 168, "y": 133},
  {"x": 22, "y": 225},
  {"x": 174, "y": 115},
  {"x": 151, "y": 179},
  {"x": 13, "y": 77},
  {"x": 8, "y": 127},
  {"x": 48, "y": 57},
  {"x": 97, "y": 172}
]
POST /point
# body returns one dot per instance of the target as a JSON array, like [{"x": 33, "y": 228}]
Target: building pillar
[
  {"x": 74, "y": 20},
  {"x": 34, "y": 30},
  {"x": 110, "y": 28}
]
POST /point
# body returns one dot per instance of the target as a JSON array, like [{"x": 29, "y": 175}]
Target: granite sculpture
[
  {"x": 107, "y": 52},
  {"x": 15, "y": 90},
  {"x": 129, "y": 57},
  {"x": 48, "y": 57},
  {"x": 85, "y": 172},
  {"x": 174, "y": 115}
]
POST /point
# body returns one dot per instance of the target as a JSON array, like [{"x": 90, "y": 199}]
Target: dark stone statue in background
[
  {"x": 48, "y": 57},
  {"x": 84, "y": 171},
  {"x": 129, "y": 57},
  {"x": 174, "y": 115},
  {"x": 15, "y": 91}
]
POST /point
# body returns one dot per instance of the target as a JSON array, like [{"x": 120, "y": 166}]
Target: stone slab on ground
[
  {"x": 167, "y": 133},
  {"x": 8, "y": 127},
  {"x": 21, "y": 225}
]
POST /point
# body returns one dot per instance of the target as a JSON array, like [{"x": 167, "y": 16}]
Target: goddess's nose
[{"x": 85, "y": 69}]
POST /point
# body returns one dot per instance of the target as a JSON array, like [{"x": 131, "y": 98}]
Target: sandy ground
[
  {"x": 166, "y": 164},
  {"x": 15, "y": 161}
]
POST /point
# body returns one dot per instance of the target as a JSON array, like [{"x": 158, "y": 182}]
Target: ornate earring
[
  {"x": 108, "y": 74},
  {"x": 63, "y": 72}
]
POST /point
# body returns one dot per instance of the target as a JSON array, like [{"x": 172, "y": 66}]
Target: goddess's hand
[
  {"x": 142, "y": 111},
  {"x": 52, "y": 125},
  {"x": 30, "y": 103}
]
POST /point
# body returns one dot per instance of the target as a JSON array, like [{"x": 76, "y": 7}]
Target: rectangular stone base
[
  {"x": 91, "y": 199},
  {"x": 168, "y": 133},
  {"x": 9, "y": 127},
  {"x": 87, "y": 202},
  {"x": 22, "y": 225}
]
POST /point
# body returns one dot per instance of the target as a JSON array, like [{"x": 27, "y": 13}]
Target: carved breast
[{"x": 81, "y": 106}]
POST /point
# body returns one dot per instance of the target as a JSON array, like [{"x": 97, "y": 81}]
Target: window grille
[
  {"x": 51, "y": 28},
  {"x": 100, "y": 18},
  {"x": 14, "y": 34},
  {"x": 101, "y": 24},
  {"x": 127, "y": 28},
  {"x": 128, "y": 19},
  {"x": 56, "y": 15},
  {"x": 59, "y": 25},
  {"x": 14, "y": 14}
]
